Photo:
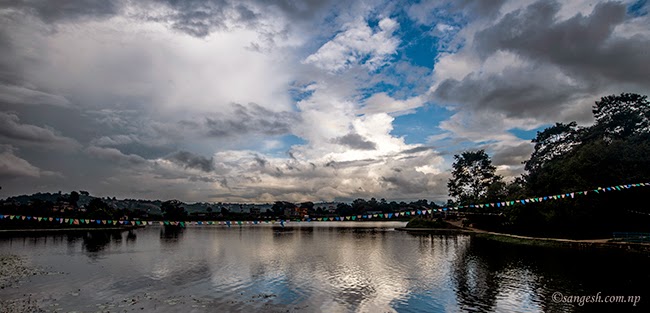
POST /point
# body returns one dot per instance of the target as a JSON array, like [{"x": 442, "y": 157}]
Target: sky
[{"x": 259, "y": 101}]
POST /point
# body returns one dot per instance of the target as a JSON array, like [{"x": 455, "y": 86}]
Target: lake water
[{"x": 314, "y": 267}]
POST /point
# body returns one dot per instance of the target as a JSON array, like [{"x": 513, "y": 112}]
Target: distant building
[
  {"x": 63, "y": 206},
  {"x": 295, "y": 212}
]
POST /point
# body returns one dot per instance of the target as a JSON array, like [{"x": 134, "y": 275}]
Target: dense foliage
[
  {"x": 473, "y": 178},
  {"x": 613, "y": 151},
  {"x": 173, "y": 210}
]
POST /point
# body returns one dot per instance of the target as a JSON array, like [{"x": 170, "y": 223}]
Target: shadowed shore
[{"x": 604, "y": 243}]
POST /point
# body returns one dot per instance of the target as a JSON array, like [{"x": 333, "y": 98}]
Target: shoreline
[
  {"x": 47, "y": 230},
  {"x": 538, "y": 241}
]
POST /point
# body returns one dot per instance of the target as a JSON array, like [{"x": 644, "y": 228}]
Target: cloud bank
[{"x": 258, "y": 101}]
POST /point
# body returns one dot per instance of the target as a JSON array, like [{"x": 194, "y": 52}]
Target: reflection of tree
[
  {"x": 95, "y": 241},
  {"x": 171, "y": 234},
  {"x": 130, "y": 236},
  {"x": 476, "y": 276},
  {"x": 487, "y": 270}
]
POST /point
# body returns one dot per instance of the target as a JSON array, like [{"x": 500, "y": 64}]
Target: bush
[{"x": 424, "y": 223}]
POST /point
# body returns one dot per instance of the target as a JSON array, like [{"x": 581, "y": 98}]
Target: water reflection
[
  {"x": 170, "y": 234},
  {"x": 130, "y": 236},
  {"x": 95, "y": 241},
  {"x": 313, "y": 268},
  {"x": 477, "y": 279},
  {"x": 492, "y": 277}
]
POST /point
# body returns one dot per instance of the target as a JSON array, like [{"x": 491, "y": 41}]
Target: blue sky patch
[
  {"x": 417, "y": 46},
  {"x": 638, "y": 8},
  {"x": 419, "y": 126},
  {"x": 526, "y": 134}
]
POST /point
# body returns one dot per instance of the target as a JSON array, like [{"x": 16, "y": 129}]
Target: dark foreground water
[{"x": 327, "y": 267}]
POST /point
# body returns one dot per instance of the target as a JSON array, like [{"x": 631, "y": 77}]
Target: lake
[{"x": 313, "y": 267}]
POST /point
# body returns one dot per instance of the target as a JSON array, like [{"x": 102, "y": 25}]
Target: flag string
[{"x": 282, "y": 222}]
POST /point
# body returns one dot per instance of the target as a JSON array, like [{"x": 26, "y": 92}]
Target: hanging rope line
[{"x": 376, "y": 216}]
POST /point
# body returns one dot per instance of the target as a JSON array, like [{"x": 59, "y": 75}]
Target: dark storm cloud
[
  {"x": 512, "y": 155},
  {"x": 484, "y": 8},
  {"x": 223, "y": 182},
  {"x": 300, "y": 9},
  {"x": 406, "y": 185},
  {"x": 116, "y": 140},
  {"x": 348, "y": 164},
  {"x": 190, "y": 160},
  {"x": 355, "y": 141},
  {"x": 7, "y": 59},
  {"x": 14, "y": 59},
  {"x": 582, "y": 45},
  {"x": 566, "y": 61},
  {"x": 517, "y": 92},
  {"x": 418, "y": 150},
  {"x": 195, "y": 17},
  {"x": 200, "y": 17},
  {"x": 12, "y": 166},
  {"x": 55, "y": 11},
  {"x": 115, "y": 156},
  {"x": 11, "y": 129},
  {"x": 252, "y": 119},
  {"x": 261, "y": 161},
  {"x": 19, "y": 95}
]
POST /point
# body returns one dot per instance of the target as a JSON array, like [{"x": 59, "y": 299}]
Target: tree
[
  {"x": 551, "y": 143},
  {"x": 472, "y": 175},
  {"x": 517, "y": 188},
  {"x": 74, "y": 197},
  {"x": 496, "y": 191},
  {"x": 567, "y": 157},
  {"x": 98, "y": 209},
  {"x": 173, "y": 210},
  {"x": 310, "y": 207},
  {"x": 622, "y": 116},
  {"x": 280, "y": 206},
  {"x": 359, "y": 206},
  {"x": 614, "y": 151},
  {"x": 373, "y": 204},
  {"x": 343, "y": 209},
  {"x": 419, "y": 203},
  {"x": 96, "y": 204}
]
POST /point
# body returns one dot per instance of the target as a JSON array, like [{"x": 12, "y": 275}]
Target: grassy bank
[
  {"x": 439, "y": 226},
  {"x": 425, "y": 223},
  {"x": 505, "y": 238},
  {"x": 567, "y": 243}
]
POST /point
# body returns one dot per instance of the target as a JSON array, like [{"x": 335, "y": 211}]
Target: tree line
[{"x": 614, "y": 150}]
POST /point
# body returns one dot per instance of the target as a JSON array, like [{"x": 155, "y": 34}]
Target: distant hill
[{"x": 150, "y": 206}]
